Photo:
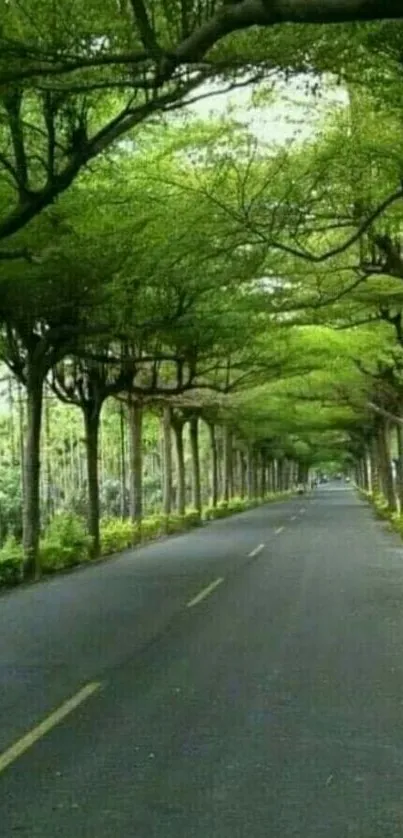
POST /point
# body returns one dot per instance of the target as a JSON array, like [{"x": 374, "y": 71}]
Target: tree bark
[
  {"x": 48, "y": 454},
  {"x": 123, "y": 509},
  {"x": 194, "y": 447},
  {"x": 367, "y": 470},
  {"x": 374, "y": 464},
  {"x": 92, "y": 416},
  {"x": 364, "y": 472},
  {"x": 280, "y": 474},
  {"x": 31, "y": 469},
  {"x": 385, "y": 465},
  {"x": 242, "y": 474},
  {"x": 227, "y": 463},
  {"x": 399, "y": 474},
  {"x": 167, "y": 460},
  {"x": 214, "y": 465},
  {"x": 14, "y": 458},
  {"x": 177, "y": 426},
  {"x": 135, "y": 413},
  {"x": 249, "y": 472},
  {"x": 270, "y": 483},
  {"x": 263, "y": 483}
]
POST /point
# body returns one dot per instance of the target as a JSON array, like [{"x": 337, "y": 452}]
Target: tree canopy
[{"x": 169, "y": 278}]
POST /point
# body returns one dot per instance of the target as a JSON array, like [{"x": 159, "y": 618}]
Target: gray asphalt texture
[{"x": 273, "y": 708}]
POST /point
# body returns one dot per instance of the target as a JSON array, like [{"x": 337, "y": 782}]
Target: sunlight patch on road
[
  {"x": 33, "y": 736},
  {"x": 205, "y": 592}
]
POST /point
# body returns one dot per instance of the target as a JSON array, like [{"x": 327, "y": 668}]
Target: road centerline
[
  {"x": 36, "y": 733},
  {"x": 205, "y": 592},
  {"x": 279, "y": 530},
  {"x": 255, "y": 552}
]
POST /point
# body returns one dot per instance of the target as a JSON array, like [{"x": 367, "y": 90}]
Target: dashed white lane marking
[
  {"x": 279, "y": 530},
  {"x": 293, "y": 518},
  {"x": 256, "y": 551},
  {"x": 205, "y": 592}
]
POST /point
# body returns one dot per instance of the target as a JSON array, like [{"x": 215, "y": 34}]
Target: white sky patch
[{"x": 295, "y": 113}]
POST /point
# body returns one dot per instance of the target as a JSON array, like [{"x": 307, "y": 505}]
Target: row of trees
[
  {"x": 189, "y": 269},
  {"x": 168, "y": 457}
]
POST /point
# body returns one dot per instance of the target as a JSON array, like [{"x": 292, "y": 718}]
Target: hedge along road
[{"x": 242, "y": 680}]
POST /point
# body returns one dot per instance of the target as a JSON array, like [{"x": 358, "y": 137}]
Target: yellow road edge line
[
  {"x": 205, "y": 592},
  {"x": 256, "y": 551},
  {"x": 30, "y": 738},
  {"x": 279, "y": 530}
]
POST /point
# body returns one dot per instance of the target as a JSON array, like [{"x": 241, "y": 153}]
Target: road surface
[{"x": 244, "y": 680}]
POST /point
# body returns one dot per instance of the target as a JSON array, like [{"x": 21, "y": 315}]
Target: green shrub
[
  {"x": 152, "y": 527},
  {"x": 221, "y": 510},
  {"x": 236, "y": 505},
  {"x": 397, "y": 522},
  {"x": 118, "y": 534},
  {"x": 11, "y": 562},
  {"x": 192, "y": 518},
  {"x": 65, "y": 543},
  {"x": 174, "y": 524},
  {"x": 381, "y": 506}
]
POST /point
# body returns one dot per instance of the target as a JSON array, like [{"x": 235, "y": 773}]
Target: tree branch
[
  {"x": 146, "y": 31},
  {"x": 229, "y": 17},
  {"x": 341, "y": 248},
  {"x": 385, "y": 413},
  {"x": 35, "y": 202}
]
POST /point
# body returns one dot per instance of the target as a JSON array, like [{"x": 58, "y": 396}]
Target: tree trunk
[
  {"x": 242, "y": 474},
  {"x": 214, "y": 465},
  {"x": 180, "y": 465},
  {"x": 287, "y": 475},
  {"x": 249, "y": 472},
  {"x": 167, "y": 460},
  {"x": 227, "y": 463},
  {"x": 270, "y": 484},
  {"x": 367, "y": 471},
  {"x": 31, "y": 506},
  {"x": 399, "y": 475},
  {"x": 263, "y": 484},
  {"x": 363, "y": 473},
  {"x": 256, "y": 475},
  {"x": 14, "y": 458},
  {"x": 91, "y": 422},
  {"x": 236, "y": 473},
  {"x": 135, "y": 414},
  {"x": 194, "y": 447},
  {"x": 374, "y": 463},
  {"x": 21, "y": 438},
  {"x": 280, "y": 475},
  {"x": 48, "y": 454},
  {"x": 123, "y": 509},
  {"x": 385, "y": 465},
  {"x": 293, "y": 474}
]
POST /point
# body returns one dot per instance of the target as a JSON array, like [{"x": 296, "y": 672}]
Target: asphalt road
[{"x": 270, "y": 706}]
